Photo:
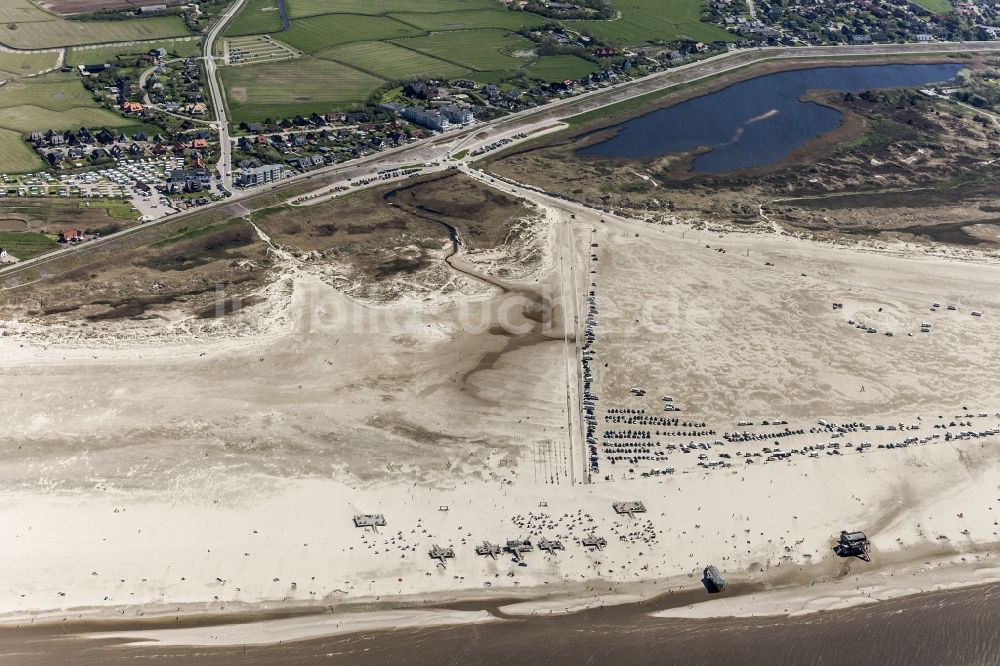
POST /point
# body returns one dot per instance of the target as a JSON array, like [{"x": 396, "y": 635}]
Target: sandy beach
[{"x": 205, "y": 477}]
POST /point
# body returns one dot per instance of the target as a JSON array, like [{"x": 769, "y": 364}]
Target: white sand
[
  {"x": 122, "y": 552},
  {"x": 837, "y": 595},
  {"x": 224, "y": 480},
  {"x": 297, "y": 629},
  {"x": 565, "y": 604}
]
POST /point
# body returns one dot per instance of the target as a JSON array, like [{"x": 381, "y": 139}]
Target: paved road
[
  {"x": 215, "y": 91},
  {"x": 438, "y": 148}
]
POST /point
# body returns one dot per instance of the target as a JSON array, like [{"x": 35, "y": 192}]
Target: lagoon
[{"x": 757, "y": 122}]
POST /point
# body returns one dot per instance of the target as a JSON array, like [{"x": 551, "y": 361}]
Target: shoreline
[
  {"x": 204, "y": 541},
  {"x": 273, "y": 622},
  {"x": 869, "y": 588}
]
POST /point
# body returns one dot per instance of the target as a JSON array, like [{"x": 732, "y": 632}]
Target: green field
[
  {"x": 470, "y": 20},
  {"x": 388, "y": 61},
  {"x": 368, "y": 43},
  {"x": 257, "y": 18},
  {"x": 652, "y": 20},
  {"x": 322, "y": 32},
  {"x": 303, "y": 8},
  {"x": 43, "y": 30},
  {"x": 25, "y": 245},
  {"x": 936, "y": 6},
  {"x": 14, "y": 65},
  {"x": 54, "y": 101},
  {"x": 15, "y": 155},
  {"x": 90, "y": 55},
  {"x": 55, "y": 91},
  {"x": 21, "y": 11},
  {"x": 560, "y": 68},
  {"x": 284, "y": 89},
  {"x": 480, "y": 50},
  {"x": 33, "y": 118}
]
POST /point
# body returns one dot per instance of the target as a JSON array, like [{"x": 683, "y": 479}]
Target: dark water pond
[{"x": 757, "y": 122}]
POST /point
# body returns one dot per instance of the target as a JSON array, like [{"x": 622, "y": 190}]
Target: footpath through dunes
[
  {"x": 457, "y": 209},
  {"x": 432, "y": 236}
]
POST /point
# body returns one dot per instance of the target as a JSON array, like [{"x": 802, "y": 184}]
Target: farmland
[
  {"x": 14, "y": 65},
  {"x": 480, "y": 50},
  {"x": 87, "y": 55},
  {"x": 15, "y": 155},
  {"x": 641, "y": 20},
  {"x": 388, "y": 61},
  {"x": 25, "y": 245},
  {"x": 651, "y": 20},
  {"x": 30, "y": 118},
  {"x": 376, "y": 42},
  {"x": 471, "y": 20},
  {"x": 53, "y": 101},
  {"x": 67, "y": 7},
  {"x": 24, "y": 26},
  {"x": 58, "y": 92},
  {"x": 21, "y": 11},
  {"x": 41, "y": 213},
  {"x": 297, "y": 86},
  {"x": 303, "y": 8},
  {"x": 556, "y": 68},
  {"x": 321, "y": 32},
  {"x": 258, "y": 17}
]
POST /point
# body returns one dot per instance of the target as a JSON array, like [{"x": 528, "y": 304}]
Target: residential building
[
  {"x": 429, "y": 119},
  {"x": 265, "y": 173},
  {"x": 193, "y": 180},
  {"x": 456, "y": 114}
]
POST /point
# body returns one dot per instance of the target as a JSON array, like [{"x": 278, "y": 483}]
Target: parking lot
[{"x": 114, "y": 182}]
